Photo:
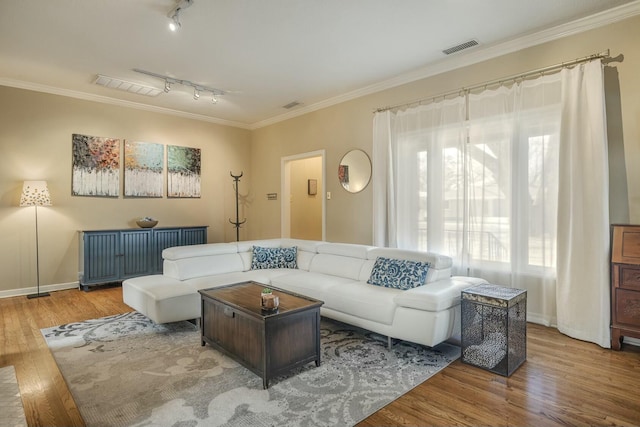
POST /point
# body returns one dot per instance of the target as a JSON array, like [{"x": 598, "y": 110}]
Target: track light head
[
  {"x": 174, "y": 24},
  {"x": 196, "y": 93},
  {"x": 214, "y": 99},
  {"x": 167, "y": 86},
  {"x": 174, "y": 14}
]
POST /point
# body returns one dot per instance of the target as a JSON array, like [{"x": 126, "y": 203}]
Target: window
[{"x": 483, "y": 191}]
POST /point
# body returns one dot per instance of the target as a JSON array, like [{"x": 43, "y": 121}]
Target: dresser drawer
[
  {"x": 627, "y": 305},
  {"x": 629, "y": 277}
]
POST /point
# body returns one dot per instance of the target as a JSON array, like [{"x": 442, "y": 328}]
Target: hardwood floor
[
  {"x": 563, "y": 382},
  {"x": 45, "y": 396}
]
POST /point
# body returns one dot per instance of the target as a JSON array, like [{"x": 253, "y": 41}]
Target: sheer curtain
[
  {"x": 415, "y": 152},
  {"x": 496, "y": 180},
  {"x": 513, "y": 173}
]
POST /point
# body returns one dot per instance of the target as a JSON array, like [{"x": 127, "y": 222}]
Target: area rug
[
  {"x": 125, "y": 370},
  {"x": 11, "y": 410}
]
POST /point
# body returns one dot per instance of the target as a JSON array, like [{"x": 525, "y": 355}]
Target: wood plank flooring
[{"x": 563, "y": 382}]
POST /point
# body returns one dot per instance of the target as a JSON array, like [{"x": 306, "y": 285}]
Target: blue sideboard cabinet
[{"x": 110, "y": 256}]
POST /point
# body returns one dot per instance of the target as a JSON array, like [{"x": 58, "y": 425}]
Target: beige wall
[
  {"x": 348, "y": 125},
  {"x": 35, "y": 143},
  {"x": 337, "y": 130}
]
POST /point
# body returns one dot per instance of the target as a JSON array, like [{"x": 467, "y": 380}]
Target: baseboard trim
[{"x": 32, "y": 290}]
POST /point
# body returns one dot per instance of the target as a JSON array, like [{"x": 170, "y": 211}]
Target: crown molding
[
  {"x": 118, "y": 102},
  {"x": 469, "y": 58}
]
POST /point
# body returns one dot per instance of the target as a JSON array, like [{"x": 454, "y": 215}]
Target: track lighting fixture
[
  {"x": 198, "y": 89},
  {"x": 174, "y": 14}
]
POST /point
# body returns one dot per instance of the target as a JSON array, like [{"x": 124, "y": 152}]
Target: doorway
[{"x": 303, "y": 202}]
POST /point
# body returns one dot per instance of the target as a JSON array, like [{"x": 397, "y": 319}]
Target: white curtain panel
[
  {"x": 383, "y": 184},
  {"x": 512, "y": 184},
  {"x": 583, "y": 209}
]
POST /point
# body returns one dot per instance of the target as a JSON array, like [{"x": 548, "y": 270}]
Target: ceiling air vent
[
  {"x": 461, "y": 46},
  {"x": 291, "y": 105},
  {"x": 114, "y": 83}
]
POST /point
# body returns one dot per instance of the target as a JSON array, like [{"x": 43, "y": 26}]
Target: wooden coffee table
[{"x": 269, "y": 344}]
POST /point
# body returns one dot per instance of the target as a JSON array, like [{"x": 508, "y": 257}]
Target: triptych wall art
[{"x": 96, "y": 168}]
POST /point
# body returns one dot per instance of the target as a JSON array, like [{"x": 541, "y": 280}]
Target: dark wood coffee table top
[{"x": 245, "y": 296}]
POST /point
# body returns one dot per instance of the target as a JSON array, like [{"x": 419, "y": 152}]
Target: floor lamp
[{"x": 36, "y": 193}]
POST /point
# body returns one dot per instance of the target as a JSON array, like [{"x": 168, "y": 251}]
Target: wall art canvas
[
  {"x": 143, "y": 169},
  {"x": 183, "y": 172},
  {"x": 96, "y": 166}
]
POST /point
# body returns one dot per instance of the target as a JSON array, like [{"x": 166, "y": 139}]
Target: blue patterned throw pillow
[
  {"x": 398, "y": 273},
  {"x": 274, "y": 258}
]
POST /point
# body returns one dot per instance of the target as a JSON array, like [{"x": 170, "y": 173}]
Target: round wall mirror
[{"x": 354, "y": 171}]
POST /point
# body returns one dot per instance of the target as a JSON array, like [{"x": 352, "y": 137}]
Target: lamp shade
[{"x": 35, "y": 193}]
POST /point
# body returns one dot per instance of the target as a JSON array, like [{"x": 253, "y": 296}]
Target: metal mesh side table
[{"x": 494, "y": 328}]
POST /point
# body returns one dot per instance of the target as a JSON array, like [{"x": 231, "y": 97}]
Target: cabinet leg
[{"x": 616, "y": 339}]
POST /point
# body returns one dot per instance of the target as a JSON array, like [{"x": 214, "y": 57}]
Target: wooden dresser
[{"x": 625, "y": 283}]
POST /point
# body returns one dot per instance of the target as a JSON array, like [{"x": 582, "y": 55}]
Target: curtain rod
[{"x": 515, "y": 77}]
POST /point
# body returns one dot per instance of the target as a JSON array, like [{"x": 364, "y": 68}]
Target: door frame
[{"x": 285, "y": 190}]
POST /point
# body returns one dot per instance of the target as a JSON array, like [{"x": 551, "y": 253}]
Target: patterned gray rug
[
  {"x": 11, "y": 410},
  {"x": 126, "y": 371}
]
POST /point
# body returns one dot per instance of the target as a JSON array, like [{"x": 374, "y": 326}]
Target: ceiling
[{"x": 267, "y": 53}]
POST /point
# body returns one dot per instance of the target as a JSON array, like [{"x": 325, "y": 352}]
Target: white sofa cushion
[
  {"x": 436, "y": 296},
  {"x": 191, "y": 251},
  {"x": 201, "y": 266},
  {"x": 340, "y": 259},
  {"x": 336, "y": 265},
  {"x": 187, "y": 262},
  {"x": 161, "y": 298},
  {"x": 362, "y": 300},
  {"x": 159, "y": 287},
  {"x": 303, "y": 245},
  {"x": 345, "y": 249},
  {"x": 263, "y": 276},
  {"x": 313, "y": 285}
]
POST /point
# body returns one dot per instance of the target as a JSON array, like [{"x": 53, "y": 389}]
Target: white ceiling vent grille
[
  {"x": 114, "y": 83},
  {"x": 461, "y": 46}
]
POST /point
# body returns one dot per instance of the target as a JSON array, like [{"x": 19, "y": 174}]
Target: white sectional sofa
[{"x": 336, "y": 273}]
